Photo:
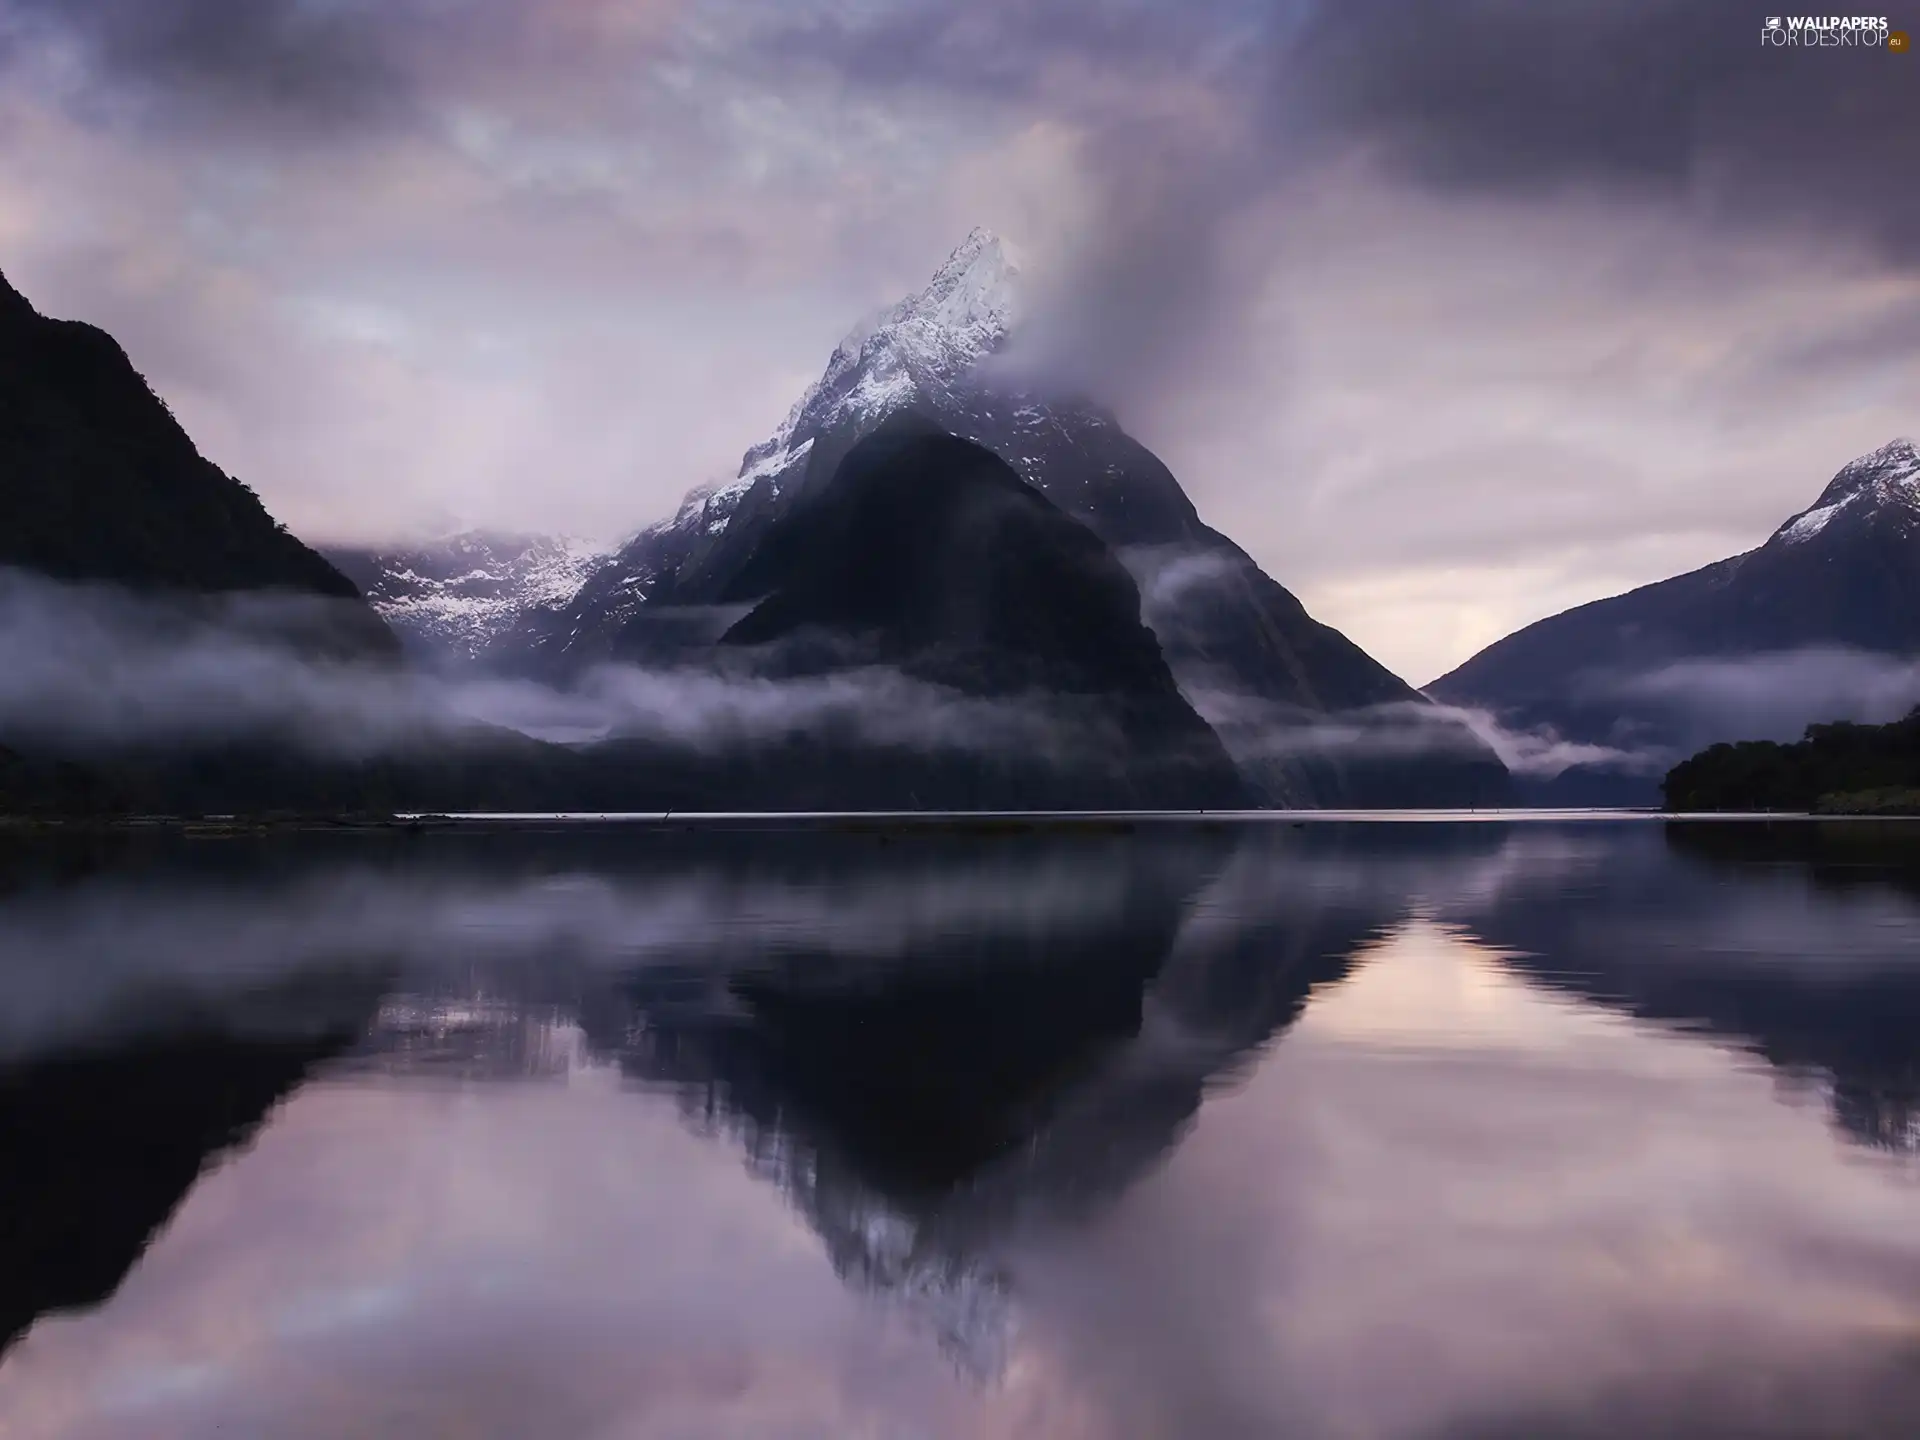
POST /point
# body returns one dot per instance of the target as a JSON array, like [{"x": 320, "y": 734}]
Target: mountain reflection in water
[{"x": 1407, "y": 1130}]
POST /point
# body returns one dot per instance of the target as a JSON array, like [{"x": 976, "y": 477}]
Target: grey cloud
[
  {"x": 1169, "y": 576},
  {"x": 1678, "y": 95},
  {"x": 1891, "y": 336},
  {"x": 1543, "y": 754},
  {"x": 1011, "y": 49},
  {"x": 1190, "y": 114},
  {"x": 235, "y": 73},
  {"x": 1165, "y": 104},
  {"x": 1192, "y": 117},
  {"x": 293, "y": 59},
  {"x": 1478, "y": 91}
]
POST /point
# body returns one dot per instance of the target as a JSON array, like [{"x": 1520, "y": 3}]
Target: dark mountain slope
[
  {"x": 1842, "y": 575},
  {"x": 929, "y": 553},
  {"x": 99, "y": 482},
  {"x": 929, "y": 543},
  {"x": 1223, "y": 620}
]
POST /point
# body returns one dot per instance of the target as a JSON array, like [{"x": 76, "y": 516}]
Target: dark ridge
[
  {"x": 929, "y": 553},
  {"x": 98, "y": 482},
  {"x": 936, "y": 552}
]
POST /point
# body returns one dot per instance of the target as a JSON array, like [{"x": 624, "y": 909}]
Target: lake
[{"x": 1468, "y": 1128}]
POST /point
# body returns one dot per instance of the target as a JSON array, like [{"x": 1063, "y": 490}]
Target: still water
[{"x": 1374, "y": 1129}]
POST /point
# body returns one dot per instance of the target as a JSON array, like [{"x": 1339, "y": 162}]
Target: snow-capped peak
[
  {"x": 969, "y": 304},
  {"x": 1890, "y": 472},
  {"x": 926, "y": 343},
  {"x": 934, "y": 337},
  {"x": 1889, "y": 476}
]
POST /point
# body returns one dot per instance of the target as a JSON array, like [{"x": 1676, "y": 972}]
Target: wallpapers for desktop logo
[{"x": 1858, "y": 31}]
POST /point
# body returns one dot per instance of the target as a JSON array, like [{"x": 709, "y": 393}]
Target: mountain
[
  {"x": 101, "y": 483},
  {"x": 454, "y": 600},
  {"x": 1244, "y": 650},
  {"x": 932, "y": 633},
  {"x": 1006, "y": 668},
  {"x": 929, "y": 554},
  {"x": 1653, "y": 673},
  {"x": 116, "y": 533}
]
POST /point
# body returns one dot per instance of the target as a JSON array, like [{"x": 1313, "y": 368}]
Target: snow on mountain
[
  {"x": 454, "y": 599},
  {"x": 920, "y": 348},
  {"x": 473, "y": 594},
  {"x": 1884, "y": 482}
]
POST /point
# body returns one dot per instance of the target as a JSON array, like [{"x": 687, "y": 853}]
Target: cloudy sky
[{"x": 1454, "y": 312}]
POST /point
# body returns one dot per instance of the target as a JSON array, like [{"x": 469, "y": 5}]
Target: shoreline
[{"x": 952, "y": 822}]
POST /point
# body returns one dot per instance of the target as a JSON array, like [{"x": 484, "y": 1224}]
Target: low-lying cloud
[
  {"x": 89, "y": 667},
  {"x": 1774, "y": 696},
  {"x": 1174, "y": 578},
  {"x": 1406, "y": 730},
  {"x": 92, "y": 669}
]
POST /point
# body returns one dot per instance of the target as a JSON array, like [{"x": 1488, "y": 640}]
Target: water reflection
[
  {"x": 1402, "y": 1131},
  {"x": 101, "y": 1146},
  {"x": 921, "y": 1116},
  {"x": 1798, "y": 941}
]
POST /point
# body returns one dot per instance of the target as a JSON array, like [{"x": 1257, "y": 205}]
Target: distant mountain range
[
  {"x": 1821, "y": 622},
  {"x": 1000, "y": 562},
  {"x": 457, "y": 599}
]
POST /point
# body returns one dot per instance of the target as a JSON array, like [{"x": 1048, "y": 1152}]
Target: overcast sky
[{"x": 1453, "y": 312}]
